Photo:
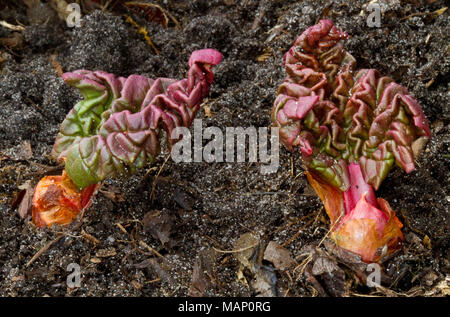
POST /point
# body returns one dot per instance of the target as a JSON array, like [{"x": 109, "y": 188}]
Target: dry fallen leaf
[
  {"x": 246, "y": 248},
  {"x": 159, "y": 225},
  {"x": 427, "y": 242},
  {"x": 26, "y": 202},
  {"x": 418, "y": 145},
  {"x": 204, "y": 273},
  {"x": 322, "y": 271},
  {"x": 264, "y": 282},
  {"x": 354, "y": 262},
  {"x": 279, "y": 256},
  {"x": 331, "y": 274},
  {"x": 248, "y": 252},
  {"x": 429, "y": 278},
  {"x": 183, "y": 198},
  {"x": 15, "y": 41},
  {"x": 112, "y": 193}
]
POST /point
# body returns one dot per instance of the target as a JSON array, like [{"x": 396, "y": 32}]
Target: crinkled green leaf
[
  {"x": 117, "y": 127},
  {"x": 337, "y": 115}
]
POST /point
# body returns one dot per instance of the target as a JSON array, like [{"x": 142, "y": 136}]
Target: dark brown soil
[{"x": 198, "y": 208}]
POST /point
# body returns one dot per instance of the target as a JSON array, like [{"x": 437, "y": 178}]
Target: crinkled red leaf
[
  {"x": 117, "y": 127},
  {"x": 337, "y": 115}
]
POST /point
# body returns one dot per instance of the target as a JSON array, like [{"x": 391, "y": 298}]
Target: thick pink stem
[{"x": 358, "y": 187}]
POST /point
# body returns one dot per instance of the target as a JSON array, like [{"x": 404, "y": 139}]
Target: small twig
[
  {"x": 152, "y": 169},
  {"x": 143, "y": 31},
  {"x": 153, "y": 281},
  {"x": 437, "y": 12},
  {"x": 177, "y": 24},
  {"x": 121, "y": 228},
  {"x": 11, "y": 26},
  {"x": 156, "y": 178},
  {"x": 292, "y": 168},
  {"x": 145, "y": 245},
  {"x": 331, "y": 229},
  {"x": 106, "y": 5},
  {"x": 297, "y": 233},
  {"x": 303, "y": 264},
  {"x": 129, "y": 253},
  {"x": 296, "y": 176},
  {"x": 43, "y": 249},
  {"x": 364, "y": 295},
  {"x": 125, "y": 241},
  {"x": 236, "y": 251},
  {"x": 289, "y": 276},
  {"x": 90, "y": 237},
  {"x": 213, "y": 240},
  {"x": 292, "y": 223},
  {"x": 68, "y": 234}
]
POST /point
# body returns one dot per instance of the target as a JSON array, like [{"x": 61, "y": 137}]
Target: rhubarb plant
[
  {"x": 117, "y": 128},
  {"x": 351, "y": 126}
]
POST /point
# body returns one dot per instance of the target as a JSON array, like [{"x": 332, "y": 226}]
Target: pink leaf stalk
[
  {"x": 117, "y": 127},
  {"x": 351, "y": 127}
]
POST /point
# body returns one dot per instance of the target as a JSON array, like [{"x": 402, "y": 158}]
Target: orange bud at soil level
[
  {"x": 370, "y": 228},
  {"x": 57, "y": 200},
  {"x": 368, "y": 231}
]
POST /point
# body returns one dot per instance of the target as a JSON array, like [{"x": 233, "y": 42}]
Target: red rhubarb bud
[
  {"x": 57, "y": 200},
  {"x": 367, "y": 227},
  {"x": 369, "y": 231}
]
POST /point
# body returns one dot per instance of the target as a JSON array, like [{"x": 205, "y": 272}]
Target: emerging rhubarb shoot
[
  {"x": 117, "y": 128},
  {"x": 58, "y": 200},
  {"x": 351, "y": 127}
]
